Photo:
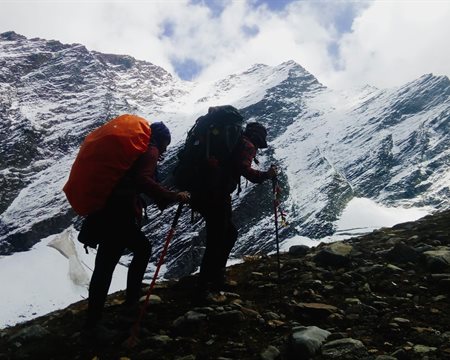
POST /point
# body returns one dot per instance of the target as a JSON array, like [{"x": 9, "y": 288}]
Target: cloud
[
  {"x": 243, "y": 35},
  {"x": 393, "y": 42},
  {"x": 383, "y": 43}
]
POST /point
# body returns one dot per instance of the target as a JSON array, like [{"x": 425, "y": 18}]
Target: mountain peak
[
  {"x": 291, "y": 63},
  {"x": 11, "y": 36},
  {"x": 430, "y": 78}
]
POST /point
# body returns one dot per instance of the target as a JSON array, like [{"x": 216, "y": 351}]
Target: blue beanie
[{"x": 160, "y": 132}]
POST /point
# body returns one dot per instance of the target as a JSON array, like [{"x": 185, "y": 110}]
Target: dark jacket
[
  {"x": 242, "y": 163},
  {"x": 125, "y": 200}
]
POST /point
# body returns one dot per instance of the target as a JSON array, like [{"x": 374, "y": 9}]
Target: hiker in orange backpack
[{"x": 117, "y": 226}]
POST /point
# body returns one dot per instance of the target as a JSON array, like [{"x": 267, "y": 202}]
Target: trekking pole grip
[
  {"x": 177, "y": 215},
  {"x": 274, "y": 184}
]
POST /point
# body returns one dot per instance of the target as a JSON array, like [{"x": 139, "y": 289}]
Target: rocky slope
[{"x": 381, "y": 296}]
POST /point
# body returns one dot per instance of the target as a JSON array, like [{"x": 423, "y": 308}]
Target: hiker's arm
[
  {"x": 246, "y": 170},
  {"x": 145, "y": 177}
]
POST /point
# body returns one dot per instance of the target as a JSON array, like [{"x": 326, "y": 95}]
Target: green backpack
[{"x": 211, "y": 140}]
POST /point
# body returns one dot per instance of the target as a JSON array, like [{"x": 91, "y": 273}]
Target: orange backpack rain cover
[{"x": 104, "y": 157}]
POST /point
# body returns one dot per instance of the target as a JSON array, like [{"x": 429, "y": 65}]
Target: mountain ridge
[{"x": 382, "y": 144}]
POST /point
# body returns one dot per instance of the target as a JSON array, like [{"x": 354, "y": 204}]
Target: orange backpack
[{"x": 104, "y": 157}]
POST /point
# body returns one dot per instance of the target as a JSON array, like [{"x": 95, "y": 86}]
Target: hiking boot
[
  {"x": 208, "y": 297},
  {"x": 225, "y": 285},
  {"x": 129, "y": 312},
  {"x": 98, "y": 334}
]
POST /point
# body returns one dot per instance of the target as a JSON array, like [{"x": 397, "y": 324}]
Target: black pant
[
  {"x": 221, "y": 235},
  {"x": 117, "y": 237}
]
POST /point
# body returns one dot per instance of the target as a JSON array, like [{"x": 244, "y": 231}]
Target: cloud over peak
[{"x": 344, "y": 44}]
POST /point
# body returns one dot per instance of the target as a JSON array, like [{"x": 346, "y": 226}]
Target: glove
[
  {"x": 183, "y": 197},
  {"x": 272, "y": 172}
]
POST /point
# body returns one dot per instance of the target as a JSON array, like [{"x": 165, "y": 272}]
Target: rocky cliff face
[
  {"x": 389, "y": 145},
  {"x": 382, "y": 296},
  {"x": 52, "y": 95}
]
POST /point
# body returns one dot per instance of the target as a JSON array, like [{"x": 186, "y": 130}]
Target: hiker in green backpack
[{"x": 213, "y": 202}]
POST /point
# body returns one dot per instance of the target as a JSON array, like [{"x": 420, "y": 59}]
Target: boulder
[
  {"x": 402, "y": 253},
  {"x": 334, "y": 255},
  {"x": 298, "y": 250},
  {"x": 437, "y": 260},
  {"x": 305, "y": 342},
  {"x": 343, "y": 349}
]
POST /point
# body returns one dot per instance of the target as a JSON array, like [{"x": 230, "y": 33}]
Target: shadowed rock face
[
  {"x": 388, "y": 145},
  {"x": 378, "y": 296}
]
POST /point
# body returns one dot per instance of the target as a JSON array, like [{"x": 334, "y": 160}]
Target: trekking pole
[
  {"x": 136, "y": 327},
  {"x": 275, "y": 190}
]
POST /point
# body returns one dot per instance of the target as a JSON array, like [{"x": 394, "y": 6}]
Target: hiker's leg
[
  {"x": 142, "y": 250},
  {"x": 214, "y": 232},
  {"x": 229, "y": 239},
  {"x": 216, "y": 252},
  {"x": 108, "y": 255}
]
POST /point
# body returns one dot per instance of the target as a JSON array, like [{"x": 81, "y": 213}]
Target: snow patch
[{"x": 42, "y": 280}]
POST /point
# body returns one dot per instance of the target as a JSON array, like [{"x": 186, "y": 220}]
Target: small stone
[
  {"x": 400, "y": 320},
  {"x": 422, "y": 349},
  {"x": 352, "y": 317},
  {"x": 187, "y": 357},
  {"x": 353, "y": 301},
  {"x": 271, "y": 316},
  {"x": 337, "y": 336},
  {"x": 257, "y": 274},
  {"x": 439, "y": 298},
  {"x": 400, "y": 354},
  {"x": 152, "y": 300},
  {"x": 275, "y": 323},
  {"x": 161, "y": 339},
  {"x": 394, "y": 268},
  {"x": 250, "y": 312},
  {"x": 271, "y": 353},
  {"x": 229, "y": 317},
  {"x": 440, "y": 276},
  {"x": 191, "y": 317},
  {"x": 315, "y": 309}
]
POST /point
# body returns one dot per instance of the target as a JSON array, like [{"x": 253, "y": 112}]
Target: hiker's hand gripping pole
[{"x": 135, "y": 331}]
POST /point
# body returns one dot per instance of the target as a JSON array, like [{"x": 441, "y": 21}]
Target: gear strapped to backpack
[
  {"x": 210, "y": 142},
  {"x": 104, "y": 157}
]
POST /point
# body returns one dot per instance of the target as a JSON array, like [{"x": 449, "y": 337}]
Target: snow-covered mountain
[{"x": 388, "y": 145}]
